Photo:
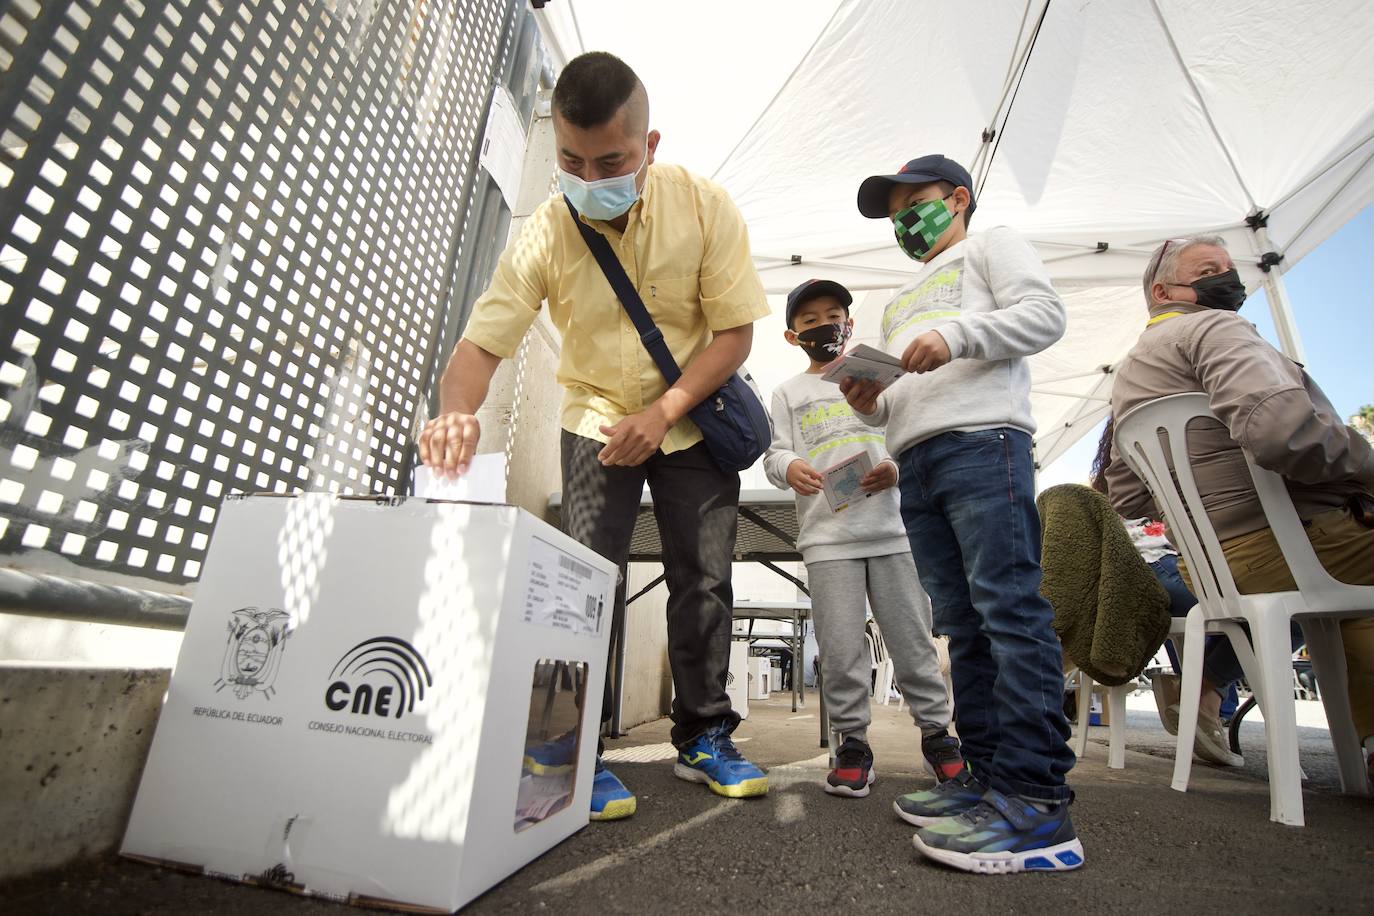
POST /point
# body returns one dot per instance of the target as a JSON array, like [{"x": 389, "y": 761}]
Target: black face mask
[
  {"x": 824, "y": 342},
  {"x": 1222, "y": 291}
]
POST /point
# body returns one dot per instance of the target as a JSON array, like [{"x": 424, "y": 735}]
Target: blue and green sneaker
[
  {"x": 957, "y": 794},
  {"x": 1002, "y": 836},
  {"x": 712, "y": 758},
  {"x": 552, "y": 757},
  {"x": 611, "y": 801}
]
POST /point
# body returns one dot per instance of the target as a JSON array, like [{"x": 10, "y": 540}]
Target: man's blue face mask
[{"x": 606, "y": 198}]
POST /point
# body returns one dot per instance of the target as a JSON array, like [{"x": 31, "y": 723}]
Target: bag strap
[{"x": 649, "y": 334}]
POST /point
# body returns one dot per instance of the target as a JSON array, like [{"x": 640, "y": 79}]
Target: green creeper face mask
[{"x": 919, "y": 226}]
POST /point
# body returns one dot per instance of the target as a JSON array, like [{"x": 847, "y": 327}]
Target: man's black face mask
[{"x": 1222, "y": 291}]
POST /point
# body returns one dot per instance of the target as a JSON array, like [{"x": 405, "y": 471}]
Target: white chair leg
[
  {"x": 1116, "y": 746},
  {"x": 1177, "y": 635},
  {"x": 1190, "y": 688},
  {"x": 1327, "y": 650},
  {"x": 1274, "y": 652},
  {"x": 1249, "y": 665},
  {"x": 1085, "y": 702}
]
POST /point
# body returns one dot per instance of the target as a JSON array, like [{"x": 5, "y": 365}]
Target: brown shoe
[
  {"x": 1210, "y": 743},
  {"x": 1166, "y": 689}
]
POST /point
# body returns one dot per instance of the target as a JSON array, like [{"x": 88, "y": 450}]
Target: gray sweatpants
[{"x": 838, "y": 589}]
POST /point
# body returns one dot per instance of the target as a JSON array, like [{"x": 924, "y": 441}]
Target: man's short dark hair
[{"x": 592, "y": 88}]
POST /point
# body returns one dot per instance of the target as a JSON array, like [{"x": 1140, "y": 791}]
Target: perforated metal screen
[{"x": 228, "y": 233}]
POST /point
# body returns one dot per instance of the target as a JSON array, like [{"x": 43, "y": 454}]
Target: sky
[{"x": 1332, "y": 294}]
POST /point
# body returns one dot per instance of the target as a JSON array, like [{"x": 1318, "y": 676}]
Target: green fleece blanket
[{"x": 1110, "y": 612}]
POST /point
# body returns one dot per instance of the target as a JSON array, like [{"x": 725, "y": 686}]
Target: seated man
[{"x": 1270, "y": 407}]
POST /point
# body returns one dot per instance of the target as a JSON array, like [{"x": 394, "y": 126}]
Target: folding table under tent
[{"x": 1096, "y": 128}]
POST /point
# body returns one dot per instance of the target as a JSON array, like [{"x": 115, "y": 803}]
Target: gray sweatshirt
[
  {"x": 991, "y": 300},
  {"x": 812, "y": 421}
]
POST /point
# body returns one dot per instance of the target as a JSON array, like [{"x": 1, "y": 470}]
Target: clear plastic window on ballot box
[{"x": 548, "y": 771}]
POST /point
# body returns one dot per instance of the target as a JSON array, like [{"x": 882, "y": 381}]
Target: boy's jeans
[{"x": 968, "y": 502}]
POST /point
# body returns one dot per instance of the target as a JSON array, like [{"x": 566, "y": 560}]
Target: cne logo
[{"x": 382, "y": 676}]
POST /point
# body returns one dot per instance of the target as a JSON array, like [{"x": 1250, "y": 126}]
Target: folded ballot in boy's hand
[
  {"x": 867, "y": 364},
  {"x": 861, "y": 394},
  {"x": 843, "y": 483}
]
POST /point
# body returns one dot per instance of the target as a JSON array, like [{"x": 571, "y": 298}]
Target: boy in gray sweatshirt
[
  {"x": 960, "y": 426},
  {"x": 854, "y": 550}
]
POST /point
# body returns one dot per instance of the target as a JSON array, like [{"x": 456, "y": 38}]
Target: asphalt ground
[{"x": 1148, "y": 849}]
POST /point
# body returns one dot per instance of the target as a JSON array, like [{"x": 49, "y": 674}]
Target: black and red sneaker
[
  {"x": 853, "y": 772},
  {"x": 943, "y": 757}
]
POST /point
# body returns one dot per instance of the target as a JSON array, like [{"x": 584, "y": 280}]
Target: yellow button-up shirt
[{"x": 686, "y": 250}]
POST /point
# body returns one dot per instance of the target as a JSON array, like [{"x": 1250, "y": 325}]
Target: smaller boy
[{"x": 859, "y": 551}]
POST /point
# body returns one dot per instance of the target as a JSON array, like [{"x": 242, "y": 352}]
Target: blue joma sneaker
[
  {"x": 610, "y": 799},
  {"x": 1002, "y": 836},
  {"x": 712, "y": 758},
  {"x": 552, "y": 757}
]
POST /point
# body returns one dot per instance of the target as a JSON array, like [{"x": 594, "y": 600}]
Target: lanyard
[{"x": 1162, "y": 317}]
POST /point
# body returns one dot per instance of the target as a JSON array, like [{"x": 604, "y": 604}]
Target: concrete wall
[
  {"x": 522, "y": 413},
  {"x": 24, "y": 638},
  {"x": 72, "y": 745},
  {"x": 648, "y": 679}
]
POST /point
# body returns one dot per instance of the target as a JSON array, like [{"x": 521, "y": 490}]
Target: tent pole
[
  {"x": 1276, "y": 291},
  {"x": 1282, "y": 310}
]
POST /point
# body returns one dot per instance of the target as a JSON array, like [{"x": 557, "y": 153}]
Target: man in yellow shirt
[{"x": 684, "y": 246}]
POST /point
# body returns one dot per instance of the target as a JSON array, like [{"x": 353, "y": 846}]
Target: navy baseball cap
[
  {"x": 814, "y": 289},
  {"x": 873, "y": 192}
]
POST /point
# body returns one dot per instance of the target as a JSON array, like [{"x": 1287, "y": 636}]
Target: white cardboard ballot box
[
  {"x": 760, "y": 677},
  {"x": 737, "y": 680},
  {"x": 386, "y": 701}
]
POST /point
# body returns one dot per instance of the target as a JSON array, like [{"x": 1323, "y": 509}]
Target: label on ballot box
[
  {"x": 563, "y": 592},
  {"x": 384, "y": 701}
]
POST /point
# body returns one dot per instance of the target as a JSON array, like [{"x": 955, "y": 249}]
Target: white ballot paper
[
  {"x": 867, "y": 364},
  {"x": 841, "y": 482},
  {"x": 503, "y": 144},
  {"x": 484, "y": 482}
]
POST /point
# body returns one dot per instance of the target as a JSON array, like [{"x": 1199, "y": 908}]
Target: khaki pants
[{"x": 1346, "y": 549}]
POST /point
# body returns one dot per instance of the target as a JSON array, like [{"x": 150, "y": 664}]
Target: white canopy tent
[{"x": 1097, "y": 128}]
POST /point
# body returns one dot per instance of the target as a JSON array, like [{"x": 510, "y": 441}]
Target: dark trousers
[
  {"x": 968, "y": 502},
  {"x": 696, "y": 506}
]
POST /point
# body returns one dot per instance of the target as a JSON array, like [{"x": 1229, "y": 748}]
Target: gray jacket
[{"x": 1269, "y": 407}]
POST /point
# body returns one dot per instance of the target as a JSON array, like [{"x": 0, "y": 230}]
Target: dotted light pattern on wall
[{"x": 226, "y": 232}]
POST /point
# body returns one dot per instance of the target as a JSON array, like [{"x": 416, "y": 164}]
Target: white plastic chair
[
  {"x": 885, "y": 674},
  {"x": 884, "y": 682},
  {"x": 1116, "y": 708},
  {"x": 1116, "y": 719},
  {"x": 1318, "y": 605}
]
